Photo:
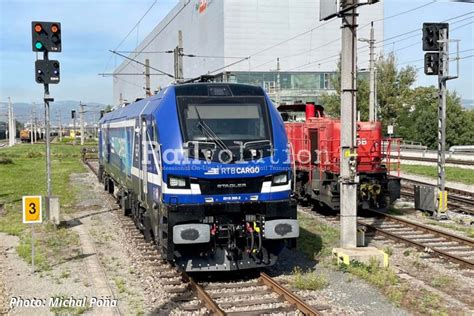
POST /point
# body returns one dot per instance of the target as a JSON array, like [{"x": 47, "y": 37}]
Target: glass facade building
[{"x": 293, "y": 87}]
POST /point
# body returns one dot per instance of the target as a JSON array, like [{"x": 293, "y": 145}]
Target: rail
[
  {"x": 287, "y": 295},
  {"x": 434, "y": 160},
  {"x": 210, "y": 304},
  {"x": 429, "y": 239}
]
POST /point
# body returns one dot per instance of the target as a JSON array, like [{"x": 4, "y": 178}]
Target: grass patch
[
  {"x": 394, "y": 211},
  {"x": 388, "y": 250},
  {"x": 381, "y": 277},
  {"x": 429, "y": 303},
  {"x": 308, "y": 280},
  {"x": 120, "y": 284},
  {"x": 26, "y": 175},
  {"x": 24, "y": 251},
  {"x": 52, "y": 246},
  {"x": 455, "y": 174},
  {"x": 441, "y": 281},
  {"x": 316, "y": 239},
  {"x": 91, "y": 142},
  {"x": 398, "y": 291}
]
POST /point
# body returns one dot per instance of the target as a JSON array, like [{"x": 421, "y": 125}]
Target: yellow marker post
[
  {"x": 442, "y": 202},
  {"x": 32, "y": 213}
]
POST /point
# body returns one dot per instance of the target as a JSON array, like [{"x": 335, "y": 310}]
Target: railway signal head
[
  {"x": 432, "y": 64},
  {"x": 47, "y": 71},
  {"x": 46, "y": 36},
  {"x": 431, "y": 35}
]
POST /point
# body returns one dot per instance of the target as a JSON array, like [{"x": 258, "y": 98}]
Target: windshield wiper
[
  {"x": 209, "y": 133},
  {"x": 257, "y": 142}
]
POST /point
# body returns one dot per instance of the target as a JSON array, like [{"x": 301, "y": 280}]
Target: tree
[
  {"x": 419, "y": 121},
  {"x": 332, "y": 102},
  {"x": 393, "y": 87},
  {"x": 413, "y": 112}
]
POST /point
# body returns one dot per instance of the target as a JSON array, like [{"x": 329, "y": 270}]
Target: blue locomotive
[{"x": 203, "y": 169}]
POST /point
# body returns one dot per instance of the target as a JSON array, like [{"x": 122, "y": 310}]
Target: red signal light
[
  {"x": 38, "y": 28},
  {"x": 54, "y": 28}
]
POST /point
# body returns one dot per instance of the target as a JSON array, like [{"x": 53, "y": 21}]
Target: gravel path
[
  {"x": 3, "y": 290},
  {"x": 21, "y": 283}
]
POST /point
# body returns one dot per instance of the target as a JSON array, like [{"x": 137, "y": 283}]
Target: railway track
[
  {"x": 451, "y": 247},
  {"x": 434, "y": 160},
  {"x": 258, "y": 296},
  {"x": 454, "y": 248},
  {"x": 263, "y": 295},
  {"x": 459, "y": 200}
]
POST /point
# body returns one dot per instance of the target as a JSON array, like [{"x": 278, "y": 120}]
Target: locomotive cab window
[{"x": 233, "y": 121}]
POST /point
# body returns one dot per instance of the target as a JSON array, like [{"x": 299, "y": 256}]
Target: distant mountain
[
  {"x": 58, "y": 109},
  {"x": 468, "y": 104}
]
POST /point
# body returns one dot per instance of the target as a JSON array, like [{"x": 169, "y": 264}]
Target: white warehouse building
[{"x": 240, "y": 41}]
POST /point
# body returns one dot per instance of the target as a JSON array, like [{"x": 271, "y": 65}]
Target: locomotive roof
[
  {"x": 218, "y": 89},
  {"x": 201, "y": 89}
]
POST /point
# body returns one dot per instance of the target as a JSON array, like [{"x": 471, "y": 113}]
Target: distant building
[
  {"x": 294, "y": 87},
  {"x": 221, "y": 33}
]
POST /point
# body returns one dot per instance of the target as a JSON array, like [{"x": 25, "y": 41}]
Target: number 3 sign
[{"x": 32, "y": 211}]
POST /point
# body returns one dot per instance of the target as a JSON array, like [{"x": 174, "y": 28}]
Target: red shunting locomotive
[{"x": 315, "y": 153}]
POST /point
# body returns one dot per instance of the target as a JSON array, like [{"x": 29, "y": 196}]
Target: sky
[{"x": 91, "y": 28}]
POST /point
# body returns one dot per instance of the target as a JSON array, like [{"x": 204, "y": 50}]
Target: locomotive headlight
[
  {"x": 280, "y": 178},
  {"x": 177, "y": 182}
]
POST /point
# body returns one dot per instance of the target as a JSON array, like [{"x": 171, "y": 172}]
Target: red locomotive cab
[
  {"x": 369, "y": 147},
  {"x": 315, "y": 152}
]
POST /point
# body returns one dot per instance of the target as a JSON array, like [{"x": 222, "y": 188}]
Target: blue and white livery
[{"x": 204, "y": 171}]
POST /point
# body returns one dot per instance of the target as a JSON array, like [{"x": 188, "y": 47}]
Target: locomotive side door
[
  {"x": 143, "y": 162},
  {"x": 314, "y": 146},
  {"x": 315, "y": 160}
]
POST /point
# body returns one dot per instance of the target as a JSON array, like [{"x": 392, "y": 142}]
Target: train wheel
[
  {"x": 162, "y": 237},
  {"x": 100, "y": 173},
  {"x": 147, "y": 230},
  {"x": 125, "y": 203},
  {"x": 110, "y": 186},
  {"x": 135, "y": 212}
]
